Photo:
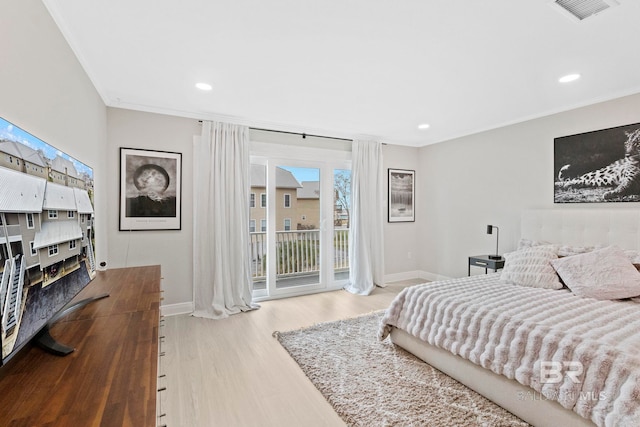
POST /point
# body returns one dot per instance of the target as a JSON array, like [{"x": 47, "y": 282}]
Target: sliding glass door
[
  {"x": 298, "y": 259},
  {"x": 299, "y": 220}
]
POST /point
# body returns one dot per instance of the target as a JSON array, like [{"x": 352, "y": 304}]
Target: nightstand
[{"x": 485, "y": 262}]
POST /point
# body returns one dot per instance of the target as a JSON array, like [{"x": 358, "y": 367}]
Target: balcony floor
[{"x": 299, "y": 280}]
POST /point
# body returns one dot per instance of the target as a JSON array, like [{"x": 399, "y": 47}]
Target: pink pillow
[{"x": 604, "y": 274}]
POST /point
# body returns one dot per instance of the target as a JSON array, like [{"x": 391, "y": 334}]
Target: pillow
[
  {"x": 602, "y": 274},
  {"x": 563, "y": 250},
  {"x": 634, "y": 256},
  {"x": 528, "y": 243},
  {"x": 569, "y": 250},
  {"x": 531, "y": 267}
]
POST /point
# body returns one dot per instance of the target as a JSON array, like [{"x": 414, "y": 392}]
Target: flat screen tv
[{"x": 46, "y": 235}]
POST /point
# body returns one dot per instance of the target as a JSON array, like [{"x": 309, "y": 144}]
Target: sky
[
  {"x": 13, "y": 133},
  {"x": 303, "y": 174}
]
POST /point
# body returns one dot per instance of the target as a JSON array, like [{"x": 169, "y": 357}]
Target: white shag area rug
[{"x": 373, "y": 383}]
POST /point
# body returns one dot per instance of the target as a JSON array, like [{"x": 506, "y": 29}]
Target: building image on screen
[{"x": 46, "y": 234}]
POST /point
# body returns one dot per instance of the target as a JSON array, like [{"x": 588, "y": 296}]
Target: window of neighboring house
[
  {"x": 287, "y": 200},
  {"x": 53, "y": 250},
  {"x": 82, "y": 218},
  {"x": 30, "y": 220},
  {"x": 252, "y": 226},
  {"x": 263, "y": 200},
  {"x": 252, "y": 200},
  {"x": 72, "y": 245},
  {"x": 33, "y": 251},
  {"x": 263, "y": 225},
  {"x": 71, "y": 214},
  {"x": 18, "y": 162},
  {"x": 287, "y": 224},
  {"x": 53, "y": 214}
]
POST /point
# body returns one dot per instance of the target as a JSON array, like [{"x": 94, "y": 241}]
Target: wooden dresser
[{"x": 111, "y": 379}]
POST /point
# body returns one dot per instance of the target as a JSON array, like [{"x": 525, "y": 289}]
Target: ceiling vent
[{"x": 582, "y": 9}]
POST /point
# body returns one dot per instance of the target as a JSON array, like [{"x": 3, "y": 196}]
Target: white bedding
[{"x": 515, "y": 331}]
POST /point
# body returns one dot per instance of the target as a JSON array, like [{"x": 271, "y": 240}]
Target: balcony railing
[{"x": 297, "y": 252}]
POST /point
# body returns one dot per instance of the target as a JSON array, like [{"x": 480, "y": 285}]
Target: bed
[{"x": 551, "y": 355}]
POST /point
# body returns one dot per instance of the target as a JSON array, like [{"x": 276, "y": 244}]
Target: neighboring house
[
  {"x": 46, "y": 223},
  {"x": 21, "y": 158},
  {"x": 308, "y": 212},
  {"x": 286, "y": 200},
  {"x": 64, "y": 172},
  {"x": 297, "y": 204},
  {"x": 21, "y": 199},
  {"x": 60, "y": 235}
]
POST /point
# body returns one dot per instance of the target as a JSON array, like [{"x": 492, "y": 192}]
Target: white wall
[
  {"x": 172, "y": 249},
  {"x": 45, "y": 91},
  {"x": 490, "y": 177},
  {"x": 401, "y": 239}
]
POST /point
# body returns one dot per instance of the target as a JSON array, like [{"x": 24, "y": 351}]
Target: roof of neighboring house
[
  {"x": 63, "y": 165},
  {"x": 284, "y": 178},
  {"x": 9, "y": 147},
  {"x": 54, "y": 232},
  {"x": 23, "y": 152},
  {"x": 20, "y": 192},
  {"x": 59, "y": 197},
  {"x": 83, "y": 202},
  {"x": 309, "y": 190}
]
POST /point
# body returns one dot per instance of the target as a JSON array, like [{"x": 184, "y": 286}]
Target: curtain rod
[{"x": 304, "y": 135}]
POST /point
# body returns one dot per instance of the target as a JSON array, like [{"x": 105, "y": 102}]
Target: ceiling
[{"x": 353, "y": 68}]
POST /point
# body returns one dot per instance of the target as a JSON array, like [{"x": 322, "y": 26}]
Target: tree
[{"x": 342, "y": 190}]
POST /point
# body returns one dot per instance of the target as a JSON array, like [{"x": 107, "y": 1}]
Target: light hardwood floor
[{"x": 232, "y": 372}]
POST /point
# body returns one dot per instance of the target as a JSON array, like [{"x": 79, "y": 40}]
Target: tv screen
[{"x": 46, "y": 234}]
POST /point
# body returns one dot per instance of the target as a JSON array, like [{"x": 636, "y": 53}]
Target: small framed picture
[
  {"x": 150, "y": 190},
  {"x": 402, "y": 190}
]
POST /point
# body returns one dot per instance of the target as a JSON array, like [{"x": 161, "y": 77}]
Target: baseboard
[
  {"x": 416, "y": 274},
  {"x": 176, "y": 309},
  {"x": 187, "y": 307},
  {"x": 433, "y": 277}
]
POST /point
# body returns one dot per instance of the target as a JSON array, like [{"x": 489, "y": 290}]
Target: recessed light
[
  {"x": 204, "y": 86},
  {"x": 569, "y": 78},
  {"x": 423, "y": 126}
]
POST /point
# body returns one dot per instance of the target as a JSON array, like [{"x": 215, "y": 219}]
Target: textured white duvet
[{"x": 583, "y": 353}]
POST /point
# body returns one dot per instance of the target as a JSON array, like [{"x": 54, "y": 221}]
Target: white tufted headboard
[{"x": 584, "y": 227}]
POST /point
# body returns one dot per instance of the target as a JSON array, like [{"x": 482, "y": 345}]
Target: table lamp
[{"x": 490, "y": 231}]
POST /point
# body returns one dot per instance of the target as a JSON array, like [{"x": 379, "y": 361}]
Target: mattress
[{"x": 581, "y": 352}]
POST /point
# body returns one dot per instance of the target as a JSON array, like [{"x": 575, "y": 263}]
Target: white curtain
[
  {"x": 221, "y": 264},
  {"x": 366, "y": 240}
]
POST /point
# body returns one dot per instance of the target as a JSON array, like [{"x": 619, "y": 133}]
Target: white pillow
[
  {"x": 602, "y": 274},
  {"x": 570, "y": 250},
  {"x": 528, "y": 243},
  {"x": 563, "y": 250},
  {"x": 634, "y": 256},
  {"x": 531, "y": 267}
]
